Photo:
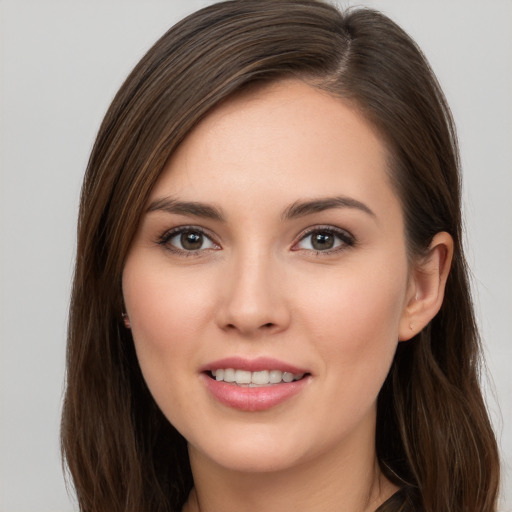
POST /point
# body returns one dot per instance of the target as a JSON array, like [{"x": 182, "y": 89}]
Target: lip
[
  {"x": 254, "y": 399},
  {"x": 252, "y": 365}
]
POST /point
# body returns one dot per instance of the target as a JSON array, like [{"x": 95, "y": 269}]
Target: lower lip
[{"x": 253, "y": 399}]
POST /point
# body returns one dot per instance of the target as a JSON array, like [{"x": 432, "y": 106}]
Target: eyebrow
[
  {"x": 302, "y": 208},
  {"x": 297, "y": 209},
  {"x": 194, "y": 208}
]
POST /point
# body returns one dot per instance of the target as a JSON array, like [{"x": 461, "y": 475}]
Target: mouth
[
  {"x": 256, "y": 379},
  {"x": 254, "y": 385}
]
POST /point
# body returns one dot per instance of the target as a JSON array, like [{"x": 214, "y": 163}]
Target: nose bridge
[{"x": 253, "y": 297}]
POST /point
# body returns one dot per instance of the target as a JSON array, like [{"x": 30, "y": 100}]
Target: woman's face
[{"x": 272, "y": 249}]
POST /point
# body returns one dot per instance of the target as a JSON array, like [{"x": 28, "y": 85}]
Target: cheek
[
  {"x": 167, "y": 313},
  {"x": 163, "y": 305},
  {"x": 353, "y": 319}
]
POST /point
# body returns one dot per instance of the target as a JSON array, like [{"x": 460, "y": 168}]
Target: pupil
[
  {"x": 322, "y": 241},
  {"x": 191, "y": 240}
]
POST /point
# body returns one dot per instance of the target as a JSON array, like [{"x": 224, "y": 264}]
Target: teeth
[
  {"x": 254, "y": 379},
  {"x": 260, "y": 377},
  {"x": 287, "y": 377},
  {"x": 229, "y": 375},
  {"x": 242, "y": 377},
  {"x": 275, "y": 376}
]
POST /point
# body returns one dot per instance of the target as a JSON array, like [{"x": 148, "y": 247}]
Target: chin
[
  {"x": 252, "y": 460},
  {"x": 258, "y": 451}
]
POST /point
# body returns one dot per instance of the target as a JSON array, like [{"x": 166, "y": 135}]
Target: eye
[
  {"x": 187, "y": 239},
  {"x": 328, "y": 239}
]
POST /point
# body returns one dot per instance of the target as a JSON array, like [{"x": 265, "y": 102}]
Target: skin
[{"x": 258, "y": 288}]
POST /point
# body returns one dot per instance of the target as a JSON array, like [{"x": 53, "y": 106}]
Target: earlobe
[
  {"x": 126, "y": 320},
  {"x": 426, "y": 287}
]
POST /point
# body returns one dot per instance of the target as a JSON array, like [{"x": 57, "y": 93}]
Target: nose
[{"x": 253, "y": 297}]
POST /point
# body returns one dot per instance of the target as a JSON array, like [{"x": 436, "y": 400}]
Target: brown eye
[
  {"x": 191, "y": 240},
  {"x": 187, "y": 240},
  {"x": 325, "y": 240},
  {"x": 322, "y": 241}
]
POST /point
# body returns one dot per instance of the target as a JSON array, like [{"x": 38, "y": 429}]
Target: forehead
[{"x": 285, "y": 139}]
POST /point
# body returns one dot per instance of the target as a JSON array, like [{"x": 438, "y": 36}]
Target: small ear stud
[{"x": 126, "y": 320}]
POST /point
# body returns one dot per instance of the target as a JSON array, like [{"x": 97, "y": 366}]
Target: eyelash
[
  {"x": 347, "y": 240},
  {"x": 169, "y": 235}
]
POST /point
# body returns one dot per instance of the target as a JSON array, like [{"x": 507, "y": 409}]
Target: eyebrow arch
[
  {"x": 194, "y": 208},
  {"x": 302, "y": 208}
]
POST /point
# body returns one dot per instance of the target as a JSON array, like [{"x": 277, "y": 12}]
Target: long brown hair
[{"x": 434, "y": 437}]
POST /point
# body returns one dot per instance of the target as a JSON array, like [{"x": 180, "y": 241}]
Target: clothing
[{"x": 406, "y": 499}]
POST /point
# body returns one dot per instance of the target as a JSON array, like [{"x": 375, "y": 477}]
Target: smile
[
  {"x": 254, "y": 385},
  {"x": 254, "y": 379}
]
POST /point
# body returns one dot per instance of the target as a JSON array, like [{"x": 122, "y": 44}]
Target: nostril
[
  {"x": 251, "y": 327},
  {"x": 267, "y": 325}
]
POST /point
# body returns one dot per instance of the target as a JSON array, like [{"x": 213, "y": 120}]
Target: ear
[
  {"x": 126, "y": 320},
  {"x": 425, "y": 291}
]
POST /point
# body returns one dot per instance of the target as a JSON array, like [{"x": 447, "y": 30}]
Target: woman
[{"x": 271, "y": 307}]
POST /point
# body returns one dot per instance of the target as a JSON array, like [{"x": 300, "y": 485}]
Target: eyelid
[
  {"x": 171, "y": 233},
  {"x": 348, "y": 240}
]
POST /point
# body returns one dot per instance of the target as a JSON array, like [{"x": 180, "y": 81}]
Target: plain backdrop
[{"x": 61, "y": 62}]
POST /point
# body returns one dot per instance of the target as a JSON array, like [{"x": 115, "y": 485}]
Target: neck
[{"x": 332, "y": 482}]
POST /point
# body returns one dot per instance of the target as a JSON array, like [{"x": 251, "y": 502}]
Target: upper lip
[{"x": 253, "y": 365}]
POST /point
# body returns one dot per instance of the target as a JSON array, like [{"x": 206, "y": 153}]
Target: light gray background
[{"x": 61, "y": 62}]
